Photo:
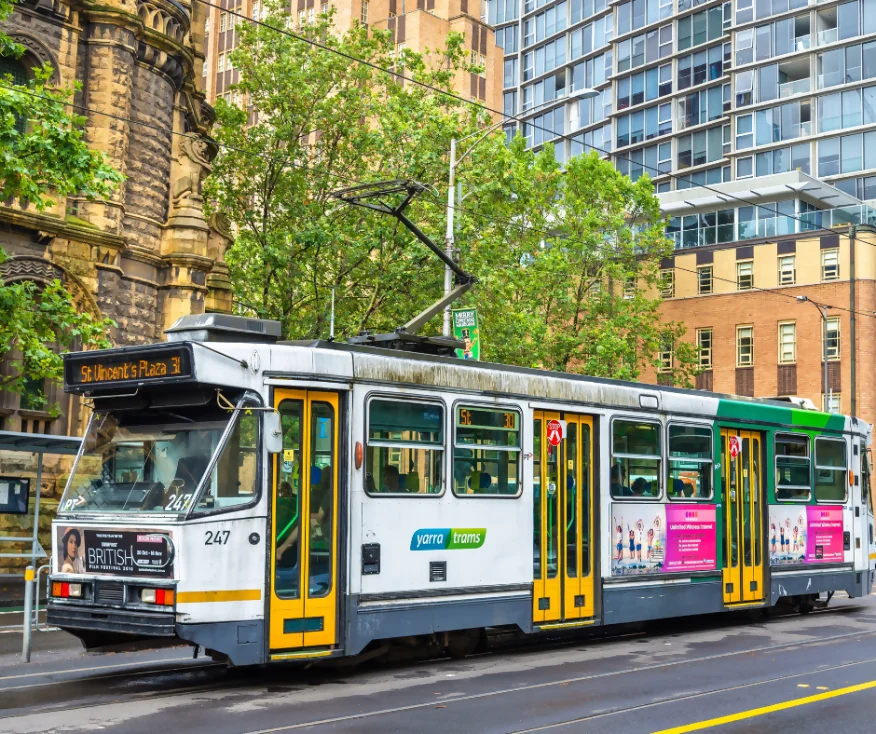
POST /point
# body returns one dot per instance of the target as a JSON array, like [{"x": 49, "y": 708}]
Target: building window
[
  {"x": 665, "y": 357},
  {"x": 744, "y": 346},
  {"x": 364, "y": 16},
  {"x": 744, "y": 275},
  {"x": 223, "y": 22},
  {"x": 832, "y": 338},
  {"x": 704, "y": 280},
  {"x": 704, "y": 347},
  {"x": 830, "y": 264},
  {"x": 667, "y": 283},
  {"x": 33, "y": 395},
  {"x": 630, "y": 288},
  {"x": 788, "y": 270},
  {"x": 220, "y": 63},
  {"x": 788, "y": 343},
  {"x": 324, "y": 9},
  {"x": 831, "y": 402},
  {"x": 311, "y": 16},
  {"x": 257, "y": 8}
]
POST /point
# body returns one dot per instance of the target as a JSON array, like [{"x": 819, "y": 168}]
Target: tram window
[
  {"x": 865, "y": 479},
  {"x": 793, "y": 479},
  {"x": 635, "y": 459},
  {"x": 486, "y": 452},
  {"x": 690, "y": 463},
  {"x": 234, "y": 480},
  {"x": 405, "y": 448},
  {"x": 831, "y": 474}
]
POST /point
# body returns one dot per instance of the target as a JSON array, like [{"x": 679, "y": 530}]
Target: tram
[{"x": 273, "y": 501}]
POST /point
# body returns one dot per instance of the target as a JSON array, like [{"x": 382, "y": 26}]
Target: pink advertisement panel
[
  {"x": 806, "y": 534},
  {"x": 691, "y": 538},
  {"x": 651, "y": 539}
]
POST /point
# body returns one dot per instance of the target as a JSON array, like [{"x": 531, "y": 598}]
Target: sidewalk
[{"x": 12, "y": 593}]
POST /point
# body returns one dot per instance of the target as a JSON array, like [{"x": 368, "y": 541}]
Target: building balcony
[
  {"x": 826, "y": 37},
  {"x": 789, "y": 89}
]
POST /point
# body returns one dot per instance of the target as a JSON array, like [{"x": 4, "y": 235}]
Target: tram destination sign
[{"x": 92, "y": 370}]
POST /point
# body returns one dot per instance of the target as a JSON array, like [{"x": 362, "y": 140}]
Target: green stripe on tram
[{"x": 790, "y": 416}]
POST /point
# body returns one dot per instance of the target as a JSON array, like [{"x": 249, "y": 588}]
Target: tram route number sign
[
  {"x": 554, "y": 432},
  {"x": 734, "y": 446},
  {"x": 115, "y": 552}
]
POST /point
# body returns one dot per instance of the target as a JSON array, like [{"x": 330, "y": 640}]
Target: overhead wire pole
[
  {"x": 822, "y": 312},
  {"x": 450, "y": 237}
]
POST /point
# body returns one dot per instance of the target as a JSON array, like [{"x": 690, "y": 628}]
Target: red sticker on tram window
[
  {"x": 734, "y": 446},
  {"x": 554, "y": 433}
]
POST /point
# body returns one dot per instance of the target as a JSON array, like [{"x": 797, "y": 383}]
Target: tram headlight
[
  {"x": 63, "y": 590},
  {"x": 147, "y": 596},
  {"x": 75, "y": 590}
]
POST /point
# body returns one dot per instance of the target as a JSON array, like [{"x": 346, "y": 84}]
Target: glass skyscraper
[{"x": 733, "y": 96}]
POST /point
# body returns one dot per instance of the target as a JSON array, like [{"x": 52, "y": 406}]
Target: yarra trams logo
[{"x": 448, "y": 538}]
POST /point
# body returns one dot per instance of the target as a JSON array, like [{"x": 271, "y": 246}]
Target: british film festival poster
[
  {"x": 655, "y": 538},
  {"x": 805, "y": 534},
  {"x": 122, "y": 552},
  {"x": 465, "y": 328}
]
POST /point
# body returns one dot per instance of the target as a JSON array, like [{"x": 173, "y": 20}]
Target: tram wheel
[{"x": 462, "y": 643}]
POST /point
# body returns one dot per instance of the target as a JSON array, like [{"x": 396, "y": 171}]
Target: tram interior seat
[
  {"x": 479, "y": 480},
  {"x": 412, "y": 482},
  {"x": 189, "y": 470}
]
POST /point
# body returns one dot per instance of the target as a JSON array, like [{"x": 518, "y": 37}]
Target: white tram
[{"x": 278, "y": 501}]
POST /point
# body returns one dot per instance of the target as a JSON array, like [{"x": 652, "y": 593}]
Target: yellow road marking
[
  {"x": 199, "y": 597},
  {"x": 742, "y": 715},
  {"x": 822, "y": 688},
  {"x": 802, "y": 685}
]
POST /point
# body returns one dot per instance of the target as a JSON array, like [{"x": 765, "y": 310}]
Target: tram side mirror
[{"x": 273, "y": 432}]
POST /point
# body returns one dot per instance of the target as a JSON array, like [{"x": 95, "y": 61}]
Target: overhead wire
[
  {"x": 473, "y": 103},
  {"x": 509, "y": 222}
]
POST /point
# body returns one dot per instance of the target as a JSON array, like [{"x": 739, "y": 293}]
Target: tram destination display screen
[
  {"x": 496, "y": 419},
  {"x": 102, "y": 369}
]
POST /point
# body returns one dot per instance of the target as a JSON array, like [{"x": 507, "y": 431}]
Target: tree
[
  {"x": 576, "y": 254},
  {"x": 43, "y": 156},
  {"x": 552, "y": 250},
  {"x": 325, "y": 123}
]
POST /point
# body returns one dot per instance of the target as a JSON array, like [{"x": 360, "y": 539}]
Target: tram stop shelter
[{"x": 19, "y": 497}]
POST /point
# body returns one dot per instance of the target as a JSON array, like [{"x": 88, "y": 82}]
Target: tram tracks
[
  {"x": 252, "y": 680},
  {"x": 518, "y": 690}
]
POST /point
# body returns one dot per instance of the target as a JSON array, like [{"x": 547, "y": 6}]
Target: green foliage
[
  {"x": 552, "y": 249},
  {"x": 43, "y": 155},
  {"x": 34, "y": 324}
]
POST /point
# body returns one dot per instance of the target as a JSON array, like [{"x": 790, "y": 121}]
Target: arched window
[{"x": 18, "y": 72}]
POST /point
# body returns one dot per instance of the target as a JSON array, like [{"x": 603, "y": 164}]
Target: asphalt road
[{"x": 737, "y": 673}]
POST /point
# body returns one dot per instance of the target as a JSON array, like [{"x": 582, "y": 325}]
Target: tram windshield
[{"x": 153, "y": 461}]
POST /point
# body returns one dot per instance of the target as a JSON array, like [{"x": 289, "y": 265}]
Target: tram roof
[{"x": 812, "y": 416}]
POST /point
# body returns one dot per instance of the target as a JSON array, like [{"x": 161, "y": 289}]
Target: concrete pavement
[{"x": 733, "y": 671}]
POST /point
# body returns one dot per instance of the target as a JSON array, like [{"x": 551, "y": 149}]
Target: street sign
[
  {"x": 554, "y": 432},
  {"x": 465, "y": 328},
  {"x": 734, "y": 446}
]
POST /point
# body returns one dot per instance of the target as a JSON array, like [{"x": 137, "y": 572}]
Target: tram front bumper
[{"x": 108, "y": 619}]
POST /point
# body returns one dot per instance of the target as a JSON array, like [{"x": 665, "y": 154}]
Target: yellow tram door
[
  {"x": 743, "y": 516},
  {"x": 562, "y": 518},
  {"x": 304, "y": 524}
]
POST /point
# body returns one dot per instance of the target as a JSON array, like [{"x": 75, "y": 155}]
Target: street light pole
[
  {"x": 449, "y": 240},
  {"x": 822, "y": 312},
  {"x": 448, "y": 237}
]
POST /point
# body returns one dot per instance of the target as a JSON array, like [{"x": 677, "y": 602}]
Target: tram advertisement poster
[
  {"x": 651, "y": 539},
  {"x": 120, "y": 552},
  {"x": 806, "y": 534},
  {"x": 465, "y": 328}
]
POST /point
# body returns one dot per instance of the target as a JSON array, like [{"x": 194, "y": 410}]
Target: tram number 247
[{"x": 217, "y": 537}]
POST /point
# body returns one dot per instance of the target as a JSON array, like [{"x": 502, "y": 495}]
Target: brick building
[
  {"x": 418, "y": 25},
  {"x": 148, "y": 255},
  {"x": 769, "y": 342}
]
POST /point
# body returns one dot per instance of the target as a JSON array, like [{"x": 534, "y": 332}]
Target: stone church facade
[{"x": 147, "y": 255}]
